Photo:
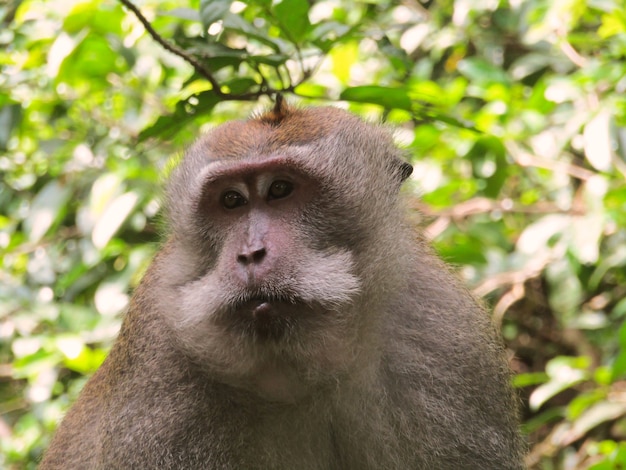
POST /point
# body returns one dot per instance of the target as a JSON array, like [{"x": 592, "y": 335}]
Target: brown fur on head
[{"x": 327, "y": 142}]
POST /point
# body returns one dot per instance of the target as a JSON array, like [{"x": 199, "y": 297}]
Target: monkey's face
[
  {"x": 261, "y": 290},
  {"x": 267, "y": 281},
  {"x": 267, "y": 265}
]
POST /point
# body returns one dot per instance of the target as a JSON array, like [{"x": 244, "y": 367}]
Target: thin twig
[
  {"x": 567, "y": 49},
  {"x": 572, "y": 54},
  {"x": 525, "y": 159},
  {"x": 201, "y": 69}
]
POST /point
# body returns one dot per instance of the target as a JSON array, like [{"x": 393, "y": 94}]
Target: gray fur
[{"x": 393, "y": 365}]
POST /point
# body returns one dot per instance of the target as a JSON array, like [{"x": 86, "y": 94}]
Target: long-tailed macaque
[{"x": 293, "y": 320}]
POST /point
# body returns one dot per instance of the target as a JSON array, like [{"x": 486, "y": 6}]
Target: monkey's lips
[
  {"x": 269, "y": 318},
  {"x": 264, "y": 309}
]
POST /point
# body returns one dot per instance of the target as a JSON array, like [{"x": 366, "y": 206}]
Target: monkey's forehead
[{"x": 306, "y": 127}]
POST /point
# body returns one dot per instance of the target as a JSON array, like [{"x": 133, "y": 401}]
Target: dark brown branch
[
  {"x": 201, "y": 69},
  {"x": 263, "y": 89}
]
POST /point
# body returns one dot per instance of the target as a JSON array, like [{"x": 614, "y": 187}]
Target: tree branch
[
  {"x": 201, "y": 69},
  {"x": 264, "y": 88}
]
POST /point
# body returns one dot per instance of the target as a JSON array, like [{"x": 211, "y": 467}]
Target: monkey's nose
[{"x": 251, "y": 256}]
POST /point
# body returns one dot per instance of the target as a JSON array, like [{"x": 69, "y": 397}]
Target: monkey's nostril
[
  {"x": 258, "y": 255},
  {"x": 253, "y": 256}
]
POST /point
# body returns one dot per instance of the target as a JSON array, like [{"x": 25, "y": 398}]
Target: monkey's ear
[{"x": 405, "y": 171}]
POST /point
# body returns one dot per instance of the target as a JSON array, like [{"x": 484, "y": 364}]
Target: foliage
[{"x": 514, "y": 114}]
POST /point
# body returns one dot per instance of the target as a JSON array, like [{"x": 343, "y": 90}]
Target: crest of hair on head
[{"x": 278, "y": 112}]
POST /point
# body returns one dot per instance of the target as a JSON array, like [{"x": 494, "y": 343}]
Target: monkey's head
[{"x": 277, "y": 241}]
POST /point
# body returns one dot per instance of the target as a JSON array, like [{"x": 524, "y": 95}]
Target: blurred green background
[{"x": 513, "y": 113}]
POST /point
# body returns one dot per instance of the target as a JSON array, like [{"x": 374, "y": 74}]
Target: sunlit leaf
[
  {"x": 92, "y": 59},
  {"x": 47, "y": 207},
  {"x": 527, "y": 379},
  {"x": 112, "y": 297},
  {"x": 292, "y": 15},
  {"x": 327, "y": 34},
  {"x": 344, "y": 56},
  {"x": 563, "y": 372},
  {"x": 238, "y": 24},
  {"x": 86, "y": 361},
  {"x": 612, "y": 24},
  {"x": 535, "y": 237},
  {"x": 102, "y": 19},
  {"x": 112, "y": 218},
  {"x": 213, "y": 10},
  {"x": 597, "y": 141},
  {"x": 383, "y": 96},
  {"x": 596, "y": 415},
  {"x": 311, "y": 90},
  {"x": 33, "y": 364}
]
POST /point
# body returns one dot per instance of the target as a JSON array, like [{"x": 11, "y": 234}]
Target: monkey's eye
[
  {"x": 232, "y": 199},
  {"x": 280, "y": 189}
]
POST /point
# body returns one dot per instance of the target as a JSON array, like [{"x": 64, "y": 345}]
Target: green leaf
[
  {"x": 213, "y": 10},
  {"x": 564, "y": 372},
  {"x": 240, "y": 85},
  {"x": 77, "y": 356},
  {"x": 383, "y": 96},
  {"x": 343, "y": 57},
  {"x": 186, "y": 111},
  {"x": 239, "y": 25},
  {"x": 31, "y": 365},
  {"x": 542, "y": 419},
  {"x": 489, "y": 163},
  {"x": 47, "y": 207},
  {"x": 87, "y": 361},
  {"x": 619, "y": 311},
  {"x": 566, "y": 291},
  {"x": 90, "y": 62},
  {"x": 112, "y": 218},
  {"x": 327, "y": 34},
  {"x": 427, "y": 91},
  {"x": 273, "y": 60},
  {"x": 293, "y": 17},
  {"x": 596, "y": 415},
  {"x": 10, "y": 117},
  {"x": 99, "y": 17},
  {"x": 482, "y": 72},
  {"x": 182, "y": 13},
  {"x": 311, "y": 90},
  {"x": 613, "y": 24},
  {"x": 530, "y": 378}
]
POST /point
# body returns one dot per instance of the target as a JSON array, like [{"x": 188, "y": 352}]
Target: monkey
[{"x": 294, "y": 319}]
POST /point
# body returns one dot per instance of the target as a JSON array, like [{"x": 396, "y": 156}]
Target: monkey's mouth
[{"x": 268, "y": 317}]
